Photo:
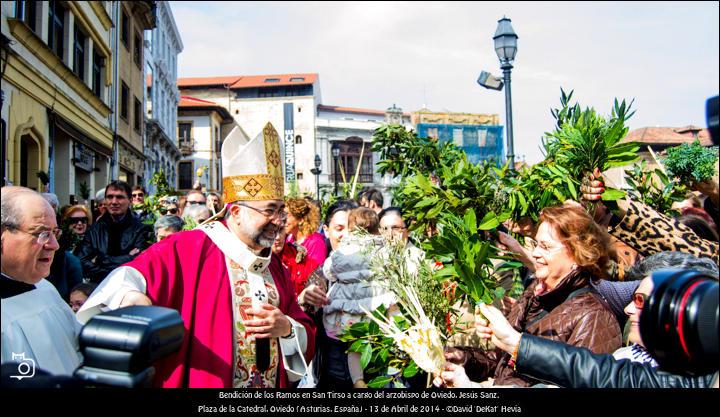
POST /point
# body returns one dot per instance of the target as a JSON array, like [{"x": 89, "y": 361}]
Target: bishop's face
[{"x": 258, "y": 222}]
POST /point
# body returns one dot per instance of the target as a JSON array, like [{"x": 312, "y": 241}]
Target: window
[
  {"x": 149, "y": 91},
  {"x": 297, "y": 79},
  {"x": 432, "y": 132},
  {"x": 137, "y": 115},
  {"x": 458, "y": 137},
  {"x": 299, "y": 176},
  {"x": 269, "y": 92},
  {"x": 56, "y": 28},
  {"x": 482, "y": 138},
  {"x": 349, "y": 159},
  {"x": 491, "y": 141},
  {"x": 137, "y": 50},
  {"x": 148, "y": 38},
  {"x": 185, "y": 175},
  {"x": 124, "y": 101},
  {"x": 27, "y": 12},
  {"x": 97, "y": 69},
  {"x": 272, "y": 80},
  {"x": 125, "y": 29},
  {"x": 184, "y": 131},
  {"x": 79, "y": 53},
  {"x": 298, "y": 140}
]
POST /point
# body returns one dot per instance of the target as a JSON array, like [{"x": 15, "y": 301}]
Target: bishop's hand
[
  {"x": 135, "y": 298},
  {"x": 267, "y": 322}
]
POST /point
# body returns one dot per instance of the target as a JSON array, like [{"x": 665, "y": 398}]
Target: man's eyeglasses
[
  {"x": 638, "y": 299},
  {"x": 269, "y": 213},
  {"x": 171, "y": 211},
  {"x": 74, "y": 220},
  {"x": 44, "y": 237},
  {"x": 394, "y": 228}
]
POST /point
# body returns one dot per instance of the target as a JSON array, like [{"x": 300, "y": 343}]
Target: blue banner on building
[
  {"x": 289, "y": 142},
  {"x": 480, "y": 142}
]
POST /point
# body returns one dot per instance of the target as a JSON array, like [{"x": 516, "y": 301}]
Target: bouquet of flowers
[
  {"x": 422, "y": 341},
  {"x": 397, "y": 342}
]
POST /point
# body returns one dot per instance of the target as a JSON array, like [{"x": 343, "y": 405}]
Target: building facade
[
  {"x": 162, "y": 46},
  {"x": 202, "y": 125},
  {"x": 479, "y": 135},
  {"x": 57, "y": 82},
  {"x": 350, "y": 130},
  {"x": 287, "y": 101},
  {"x": 132, "y": 19}
]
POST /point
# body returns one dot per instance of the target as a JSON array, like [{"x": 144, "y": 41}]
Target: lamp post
[
  {"x": 336, "y": 153},
  {"x": 506, "y": 48},
  {"x": 316, "y": 171},
  {"x": 200, "y": 173}
]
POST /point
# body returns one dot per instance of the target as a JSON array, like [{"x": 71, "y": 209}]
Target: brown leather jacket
[{"x": 572, "y": 313}]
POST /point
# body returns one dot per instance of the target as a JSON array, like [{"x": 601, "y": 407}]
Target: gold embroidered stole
[
  {"x": 251, "y": 285},
  {"x": 246, "y": 374}
]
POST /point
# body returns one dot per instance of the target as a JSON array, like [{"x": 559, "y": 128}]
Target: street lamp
[
  {"x": 335, "y": 154},
  {"x": 506, "y": 48},
  {"x": 316, "y": 171},
  {"x": 200, "y": 173}
]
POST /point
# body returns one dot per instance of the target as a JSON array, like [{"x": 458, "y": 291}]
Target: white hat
[{"x": 252, "y": 170}]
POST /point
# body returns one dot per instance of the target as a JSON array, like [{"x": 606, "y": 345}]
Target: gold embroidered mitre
[{"x": 252, "y": 170}]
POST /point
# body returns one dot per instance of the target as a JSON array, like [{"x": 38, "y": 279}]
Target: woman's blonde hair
[
  {"x": 307, "y": 214},
  {"x": 589, "y": 244},
  {"x": 70, "y": 209}
]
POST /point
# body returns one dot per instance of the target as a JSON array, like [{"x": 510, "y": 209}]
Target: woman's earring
[{"x": 574, "y": 266}]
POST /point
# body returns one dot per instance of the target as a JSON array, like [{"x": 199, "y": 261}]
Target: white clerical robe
[{"x": 40, "y": 327}]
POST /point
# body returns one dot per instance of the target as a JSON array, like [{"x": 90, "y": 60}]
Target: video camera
[
  {"x": 119, "y": 348},
  {"x": 679, "y": 322}
]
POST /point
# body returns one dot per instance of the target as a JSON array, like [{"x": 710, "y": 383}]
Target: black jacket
[
  {"x": 572, "y": 367},
  {"x": 93, "y": 250}
]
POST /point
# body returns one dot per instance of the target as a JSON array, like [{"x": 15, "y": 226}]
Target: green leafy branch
[
  {"x": 691, "y": 163},
  {"x": 660, "y": 194}
]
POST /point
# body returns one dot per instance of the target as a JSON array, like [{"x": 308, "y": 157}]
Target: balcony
[
  {"x": 365, "y": 178},
  {"x": 186, "y": 145}
]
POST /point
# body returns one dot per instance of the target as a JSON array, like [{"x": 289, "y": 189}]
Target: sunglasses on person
[
  {"x": 140, "y": 195},
  {"x": 193, "y": 203},
  {"x": 75, "y": 220},
  {"x": 170, "y": 211},
  {"x": 638, "y": 299}
]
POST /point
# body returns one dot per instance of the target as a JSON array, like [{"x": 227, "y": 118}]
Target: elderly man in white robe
[{"x": 39, "y": 330}]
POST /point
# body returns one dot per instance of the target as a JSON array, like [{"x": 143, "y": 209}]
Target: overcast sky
[{"x": 373, "y": 55}]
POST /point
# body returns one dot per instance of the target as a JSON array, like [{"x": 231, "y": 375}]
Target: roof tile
[
  {"x": 669, "y": 135},
  {"x": 248, "y": 81}
]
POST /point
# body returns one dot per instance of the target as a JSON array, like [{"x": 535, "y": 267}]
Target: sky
[{"x": 664, "y": 55}]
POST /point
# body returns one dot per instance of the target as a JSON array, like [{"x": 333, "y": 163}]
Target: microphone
[{"x": 262, "y": 354}]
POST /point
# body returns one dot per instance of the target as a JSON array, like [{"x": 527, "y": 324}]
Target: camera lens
[{"x": 679, "y": 324}]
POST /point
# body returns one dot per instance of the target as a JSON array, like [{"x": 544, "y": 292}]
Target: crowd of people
[{"x": 265, "y": 285}]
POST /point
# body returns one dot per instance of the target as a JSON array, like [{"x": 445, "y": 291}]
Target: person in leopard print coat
[{"x": 643, "y": 228}]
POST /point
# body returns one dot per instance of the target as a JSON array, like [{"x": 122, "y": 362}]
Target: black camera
[
  {"x": 119, "y": 348},
  {"x": 679, "y": 322},
  {"x": 713, "y": 122}
]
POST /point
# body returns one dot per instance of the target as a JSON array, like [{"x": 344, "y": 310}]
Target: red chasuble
[{"x": 187, "y": 272}]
